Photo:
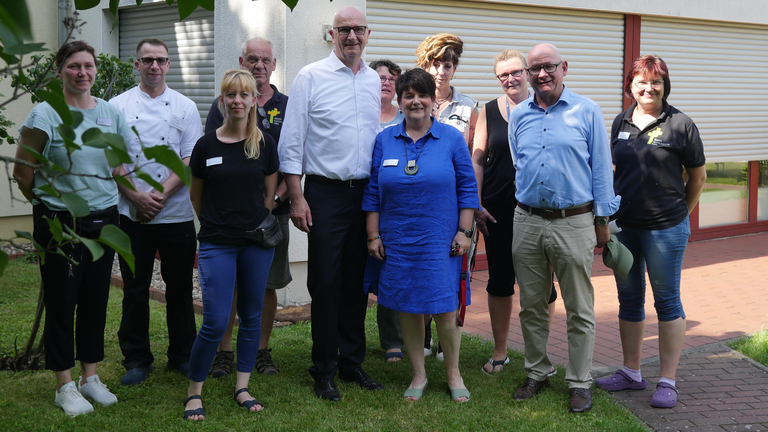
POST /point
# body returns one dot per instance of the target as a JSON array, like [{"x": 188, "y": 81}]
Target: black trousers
[
  {"x": 335, "y": 268},
  {"x": 176, "y": 243},
  {"x": 66, "y": 287}
]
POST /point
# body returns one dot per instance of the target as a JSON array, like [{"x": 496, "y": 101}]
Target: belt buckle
[
  {"x": 351, "y": 183},
  {"x": 548, "y": 214}
]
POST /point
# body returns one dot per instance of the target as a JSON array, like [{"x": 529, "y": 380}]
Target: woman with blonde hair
[
  {"x": 234, "y": 177},
  {"x": 439, "y": 55}
]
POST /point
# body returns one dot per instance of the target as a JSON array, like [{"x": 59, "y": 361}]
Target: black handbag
[{"x": 267, "y": 234}]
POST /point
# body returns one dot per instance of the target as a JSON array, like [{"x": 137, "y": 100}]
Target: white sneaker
[
  {"x": 71, "y": 401},
  {"x": 440, "y": 356},
  {"x": 95, "y": 390}
]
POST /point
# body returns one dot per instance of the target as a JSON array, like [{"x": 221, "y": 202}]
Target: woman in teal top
[{"x": 77, "y": 281}]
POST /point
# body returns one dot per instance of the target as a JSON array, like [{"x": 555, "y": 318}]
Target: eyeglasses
[
  {"x": 505, "y": 76},
  {"x": 344, "y": 31},
  {"x": 388, "y": 80},
  {"x": 263, "y": 115},
  {"x": 147, "y": 61},
  {"x": 657, "y": 84},
  {"x": 550, "y": 68}
]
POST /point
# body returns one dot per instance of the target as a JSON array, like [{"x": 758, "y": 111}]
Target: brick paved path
[{"x": 724, "y": 294}]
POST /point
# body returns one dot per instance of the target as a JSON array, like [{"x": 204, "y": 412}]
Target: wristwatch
[
  {"x": 601, "y": 221},
  {"x": 278, "y": 201},
  {"x": 467, "y": 233}
]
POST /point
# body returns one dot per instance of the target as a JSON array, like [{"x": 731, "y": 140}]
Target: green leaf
[
  {"x": 22, "y": 78},
  {"x": 76, "y": 204},
  {"x": 124, "y": 181},
  {"x": 114, "y": 140},
  {"x": 40, "y": 158},
  {"x": 186, "y": 7},
  {"x": 150, "y": 181},
  {"x": 70, "y": 145},
  {"x": 93, "y": 138},
  {"x": 166, "y": 156},
  {"x": 86, "y": 4},
  {"x": 55, "y": 226},
  {"x": 93, "y": 246},
  {"x": 25, "y": 235},
  {"x": 49, "y": 190},
  {"x": 66, "y": 132},
  {"x": 54, "y": 86},
  {"x": 291, "y": 3},
  {"x": 77, "y": 118},
  {"x": 57, "y": 103},
  {"x": 115, "y": 238},
  {"x": 15, "y": 16},
  {"x": 206, "y": 4},
  {"x": 3, "y": 261},
  {"x": 113, "y": 158},
  {"x": 23, "y": 49}
]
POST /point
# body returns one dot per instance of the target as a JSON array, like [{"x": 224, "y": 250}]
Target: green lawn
[
  {"x": 26, "y": 402},
  {"x": 754, "y": 346}
]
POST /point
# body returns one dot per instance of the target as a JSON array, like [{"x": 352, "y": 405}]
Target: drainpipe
[{"x": 64, "y": 9}]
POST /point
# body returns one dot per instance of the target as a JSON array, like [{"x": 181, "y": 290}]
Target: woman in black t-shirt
[
  {"x": 234, "y": 176},
  {"x": 652, "y": 143}
]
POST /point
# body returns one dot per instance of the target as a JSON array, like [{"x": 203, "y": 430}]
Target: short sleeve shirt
[
  {"x": 649, "y": 167},
  {"x": 233, "y": 194},
  {"x": 99, "y": 193}
]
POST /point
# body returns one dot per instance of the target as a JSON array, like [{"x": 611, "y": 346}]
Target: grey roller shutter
[
  {"x": 592, "y": 43},
  {"x": 719, "y": 79},
  {"x": 190, "y": 47}
]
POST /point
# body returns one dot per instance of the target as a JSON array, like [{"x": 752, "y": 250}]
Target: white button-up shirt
[
  {"x": 170, "y": 119},
  {"x": 331, "y": 121}
]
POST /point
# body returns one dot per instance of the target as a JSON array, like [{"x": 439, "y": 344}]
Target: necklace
[
  {"x": 411, "y": 168},
  {"x": 441, "y": 101}
]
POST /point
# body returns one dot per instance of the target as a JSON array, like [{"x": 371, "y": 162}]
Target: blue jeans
[
  {"x": 662, "y": 252},
  {"x": 219, "y": 266}
]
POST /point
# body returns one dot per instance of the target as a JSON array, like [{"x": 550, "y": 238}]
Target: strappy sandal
[
  {"x": 249, "y": 403},
  {"x": 418, "y": 391},
  {"x": 495, "y": 363},
  {"x": 197, "y": 411},
  {"x": 459, "y": 392}
]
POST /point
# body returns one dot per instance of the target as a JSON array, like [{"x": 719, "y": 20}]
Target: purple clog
[
  {"x": 665, "y": 396},
  {"x": 620, "y": 381}
]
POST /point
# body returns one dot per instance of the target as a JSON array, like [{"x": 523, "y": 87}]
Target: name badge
[
  {"x": 623, "y": 135},
  {"x": 176, "y": 123},
  {"x": 390, "y": 162},
  {"x": 104, "y": 121},
  {"x": 213, "y": 161}
]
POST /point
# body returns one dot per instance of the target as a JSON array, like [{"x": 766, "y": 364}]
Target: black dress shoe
[
  {"x": 326, "y": 389},
  {"x": 580, "y": 400},
  {"x": 530, "y": 388},
  {"x": 359, "y": 376}
]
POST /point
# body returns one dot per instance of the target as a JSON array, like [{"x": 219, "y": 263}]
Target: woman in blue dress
[{"x": 420, "y": 204}]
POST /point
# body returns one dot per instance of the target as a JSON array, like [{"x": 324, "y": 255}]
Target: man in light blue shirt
[{"x": 565, "y": 194}]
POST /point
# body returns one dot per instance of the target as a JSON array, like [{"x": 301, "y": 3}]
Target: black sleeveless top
[{"x": 499, "y": 172}]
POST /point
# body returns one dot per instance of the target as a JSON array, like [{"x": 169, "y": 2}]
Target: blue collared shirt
[{"x": 562, "y": 155}]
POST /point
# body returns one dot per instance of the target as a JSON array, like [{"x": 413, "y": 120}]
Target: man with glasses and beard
[
  {"x": 257, "y": 58},
  {"x": 157, "y": 221},
  {"x": 565, "y": 194},
  {"x": 330, "y": 129}
]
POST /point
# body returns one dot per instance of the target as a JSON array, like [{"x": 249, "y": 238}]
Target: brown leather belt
[
  {"x": 555, "y": 213},
  {"x": 333, "y": 182}
]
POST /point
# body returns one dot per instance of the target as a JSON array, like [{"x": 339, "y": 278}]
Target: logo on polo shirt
[
  {"x": 653, "y": 137},
  {"x": 272, "y": 113}
]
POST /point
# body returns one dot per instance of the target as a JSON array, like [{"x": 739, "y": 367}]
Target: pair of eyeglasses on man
[
  {"x": 550, "y": 68},
  {"x": 263, "y": 115},
  {"x": 147, "y": 61},
  {"x": 388, "y": 80},
  {"x": 505, "y": 76},
  {"x": 344, "y": 31}
]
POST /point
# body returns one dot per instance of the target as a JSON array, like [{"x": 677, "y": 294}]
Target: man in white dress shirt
[
  {"x": 330, "y": 127},
  {"x": 157, "y": 221}
]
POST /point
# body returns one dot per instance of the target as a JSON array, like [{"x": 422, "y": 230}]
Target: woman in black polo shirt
[{"x": 653, "y": 145}]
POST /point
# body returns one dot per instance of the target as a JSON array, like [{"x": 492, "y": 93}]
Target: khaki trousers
[{"x": 569, "y": 245}]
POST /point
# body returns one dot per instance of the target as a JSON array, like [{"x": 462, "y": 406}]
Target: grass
[
  {"x": 26, "y": 402},
  {"x": 754, "y": 346}
]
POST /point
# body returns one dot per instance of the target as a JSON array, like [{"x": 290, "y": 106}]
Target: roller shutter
[
  {"x": 190, "y": 47},
  {"x": 592, "y": 43},
  {"x": 718, "y": 76}
]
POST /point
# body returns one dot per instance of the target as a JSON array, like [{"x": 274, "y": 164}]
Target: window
[
  {"x": 724, "y": 200},
  {"x": 762, "y": 190}
]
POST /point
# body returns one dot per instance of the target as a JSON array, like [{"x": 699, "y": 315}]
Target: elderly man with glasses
[
  {"x": 333, "y": 117},
  {"x": 257, "y": 58},
  {"x": 157, "y": 221},
  {"x": 565, "y": 194}
]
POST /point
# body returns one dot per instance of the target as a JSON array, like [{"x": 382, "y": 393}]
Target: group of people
[{"x": 393, "y": 186}]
